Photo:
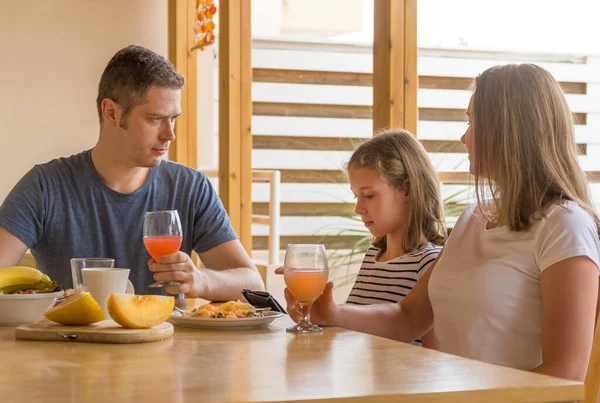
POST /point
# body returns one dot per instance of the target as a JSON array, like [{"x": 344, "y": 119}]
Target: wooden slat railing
[
  {"x": 334, "y": 176},
  {"x": 261, "y": 142},
  {"x": 311, "y": 110},
  {"x": 308, "y": 209},
  {"x": 346, "y": 111},
  {"x": 261, "y": 75},
  {"x": 311, "y": 77},
  {"x": 360, "y": 112},
  {"x": 330, "y": 241},
  {"x": 321, "y": 209}
]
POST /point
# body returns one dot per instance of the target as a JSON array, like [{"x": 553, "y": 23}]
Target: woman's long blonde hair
[
  {"x": 397, "y": 156},
  {"x": 524, "y": 142}
]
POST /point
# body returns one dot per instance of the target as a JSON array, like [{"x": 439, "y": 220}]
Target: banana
[
  {"x": 39, "y": 288},
  {"x": 25, "y": 278}
]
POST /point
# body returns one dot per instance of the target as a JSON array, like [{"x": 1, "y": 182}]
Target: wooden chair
[
  {"x": 274, "y": 283},
  {"x": 592, "y": 378},
  {"x": 27, "y": 260},
  {"x": 262, "y": 269},
  {"x": 271, "y": 219}
]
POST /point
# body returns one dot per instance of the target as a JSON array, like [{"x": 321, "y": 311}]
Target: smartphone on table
[{"x": 262, "y": 299}]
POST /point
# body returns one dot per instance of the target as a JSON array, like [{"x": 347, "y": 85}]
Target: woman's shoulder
[
  {"x": 564, "y": 230},
  {"x": 567, "y": 214},
  {"x": 469, "y": 215},
  {"x": 472, "y": 212}
]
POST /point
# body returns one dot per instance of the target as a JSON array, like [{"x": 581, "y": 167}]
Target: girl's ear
[{"x": 406, "y": 186}]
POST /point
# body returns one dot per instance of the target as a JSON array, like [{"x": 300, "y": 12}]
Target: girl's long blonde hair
[
  {"x": 524, "y": 143},
  {"x": 397, "y": 156}
]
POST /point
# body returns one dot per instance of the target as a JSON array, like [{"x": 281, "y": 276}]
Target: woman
[{"x": 517, "y": 281}]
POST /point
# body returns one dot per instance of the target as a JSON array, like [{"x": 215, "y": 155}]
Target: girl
[
  {"x": 517, "y": 282},
  {"x": 398, "y": 199}
]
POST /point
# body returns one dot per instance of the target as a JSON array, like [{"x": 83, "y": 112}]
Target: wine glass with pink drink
[
  {"x": 162, "y": 236},
  {"x": 305, "y": 271}
]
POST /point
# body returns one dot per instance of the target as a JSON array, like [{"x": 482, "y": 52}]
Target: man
[{"x": 92, "y": 204}]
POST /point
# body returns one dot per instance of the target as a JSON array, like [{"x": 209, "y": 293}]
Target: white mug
[{"x": 101, "y": 282}]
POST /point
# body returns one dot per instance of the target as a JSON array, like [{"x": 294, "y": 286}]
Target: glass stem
[{"x": 305, "y": 306}]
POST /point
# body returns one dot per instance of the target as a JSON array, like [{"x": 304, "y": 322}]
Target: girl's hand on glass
[
  {"x": 323, "y": 311},
  {"x": 305, "y": 272}
]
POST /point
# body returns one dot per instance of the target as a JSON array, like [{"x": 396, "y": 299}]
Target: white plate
[{"x": 225, "y": 323}]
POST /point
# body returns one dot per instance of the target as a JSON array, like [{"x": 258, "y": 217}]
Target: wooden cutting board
[{"x": 106, "y": 331}]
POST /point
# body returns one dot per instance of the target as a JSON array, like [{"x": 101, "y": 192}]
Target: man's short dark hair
[{"x": 129, "y": 75}]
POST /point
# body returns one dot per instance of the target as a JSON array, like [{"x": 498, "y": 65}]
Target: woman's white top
[{"x": 485, "y": 289}]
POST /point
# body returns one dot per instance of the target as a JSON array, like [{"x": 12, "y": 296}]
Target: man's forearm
[
  {"x": 226, "y": 285},
  {"x": 384, "y": 320}
]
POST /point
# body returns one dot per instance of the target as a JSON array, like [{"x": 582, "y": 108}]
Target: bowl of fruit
[{"x": 25, "y": 294}]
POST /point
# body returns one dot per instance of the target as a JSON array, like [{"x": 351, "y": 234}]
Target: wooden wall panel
[
  {"x": 395, "y": 65},
  {"x": 235, "y": 113},
  {"x": 184, "y": 149}
]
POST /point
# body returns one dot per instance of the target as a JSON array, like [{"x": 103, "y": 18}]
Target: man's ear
[{"x": 111, "y": 112}]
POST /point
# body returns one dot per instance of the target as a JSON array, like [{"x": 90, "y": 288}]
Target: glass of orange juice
[
  {"x": 162, "y": 236},
  {"x": 305, "y": 271}
]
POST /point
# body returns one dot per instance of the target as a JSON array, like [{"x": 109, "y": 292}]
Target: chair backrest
[
  {"x": 271, "y": 220},
  {"x": 28, "y": 260},
  {"x": 592, "y": 378},
  {"x": 270, "y": 217}
]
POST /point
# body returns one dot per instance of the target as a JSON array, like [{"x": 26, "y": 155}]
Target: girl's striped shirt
[{"x": 390, "y": 281}]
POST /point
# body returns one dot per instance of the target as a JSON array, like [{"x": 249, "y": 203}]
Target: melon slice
[
  {"x": 80, "y": 309},
  {"x": 139, "y": 311}
]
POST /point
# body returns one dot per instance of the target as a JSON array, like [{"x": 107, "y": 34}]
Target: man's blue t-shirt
[{"x": 62, "y": 210}]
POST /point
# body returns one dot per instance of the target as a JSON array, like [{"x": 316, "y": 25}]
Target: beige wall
[{"x": 52, "y": 53}]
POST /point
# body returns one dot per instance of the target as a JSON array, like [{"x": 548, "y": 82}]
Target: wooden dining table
[{"x": 260, "y": 365}]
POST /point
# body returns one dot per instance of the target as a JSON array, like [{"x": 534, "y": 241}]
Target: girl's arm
[
  {"x": 405, "y": 321},
  {"x": 429, "y": 340},
  {"x": 569, "y": 300}
]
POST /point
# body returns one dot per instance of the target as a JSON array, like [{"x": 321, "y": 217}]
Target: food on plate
[
  {"x": 79, "y": 309},
  {"x": 68, "y": 292},
  {"x": 230, "y": 309},
  {"x": 139, "y": 311},
  {"x": 26, "y": 280}
]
